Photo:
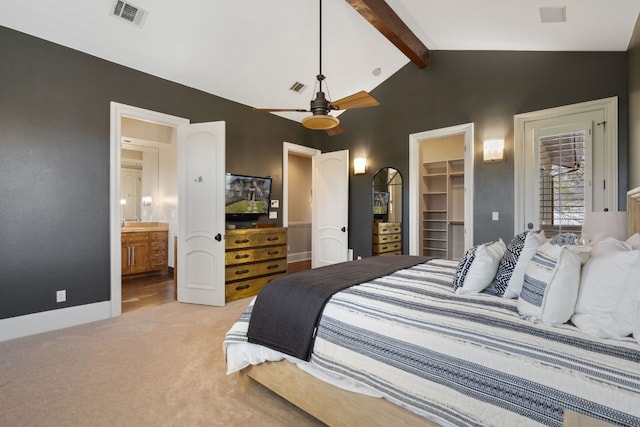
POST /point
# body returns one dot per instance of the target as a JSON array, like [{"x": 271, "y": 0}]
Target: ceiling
[{"x": 253, "y": 51}]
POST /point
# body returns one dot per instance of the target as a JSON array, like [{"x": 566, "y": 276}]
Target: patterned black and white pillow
[
  {"x": 564, "y": 239},
  {"x": 507, "y": 265},
  {"x": 463, "y": 267}
]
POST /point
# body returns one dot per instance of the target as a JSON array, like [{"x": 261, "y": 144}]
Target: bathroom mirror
[
  {"x": 387, "y": 211},
  {"x": 139, "y": 181}
]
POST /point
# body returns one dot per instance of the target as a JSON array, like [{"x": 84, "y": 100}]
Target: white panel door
[
  {"x": 201, "y": 221},
  {"x": 330, "y": 237}
]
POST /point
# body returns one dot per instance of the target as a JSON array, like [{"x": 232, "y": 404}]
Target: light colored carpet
[{"x": 159, "y": 366}]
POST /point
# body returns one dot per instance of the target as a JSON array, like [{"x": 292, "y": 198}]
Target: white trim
[
  {"x": 290, "y": 148},
  {"x": 610, "y": 107},
  {"x": 414, "y": 180},
  {"x": 300, "y": 256},
  {"x": 45, "y": 321},
  {"x": 117, "y": 112}
]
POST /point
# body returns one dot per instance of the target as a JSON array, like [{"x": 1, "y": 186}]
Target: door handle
[
  {"x": 343, "y": 229},
  {"x": 218, "y": 237}
]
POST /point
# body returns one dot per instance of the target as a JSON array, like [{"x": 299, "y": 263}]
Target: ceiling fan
[{"x": 321, "y": 106}]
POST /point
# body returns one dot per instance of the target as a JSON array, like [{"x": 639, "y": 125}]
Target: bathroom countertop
[{"x": 138, "y": 226}]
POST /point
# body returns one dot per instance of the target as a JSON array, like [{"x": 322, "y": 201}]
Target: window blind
[{"x": 562, "y": 182}]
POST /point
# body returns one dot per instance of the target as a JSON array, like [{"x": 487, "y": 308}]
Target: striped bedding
[{"x": 469, "y": 359}]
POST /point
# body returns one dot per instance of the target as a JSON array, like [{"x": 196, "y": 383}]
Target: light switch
[
  {"x": 275, "y": 204},
  {"x": 495, "y": 216}
]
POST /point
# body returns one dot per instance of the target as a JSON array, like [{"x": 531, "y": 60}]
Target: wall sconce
[
  {"x": 493, "y": 150},
  {"x": 146, "y": 201},
  {"x": 359, "y": 165}
]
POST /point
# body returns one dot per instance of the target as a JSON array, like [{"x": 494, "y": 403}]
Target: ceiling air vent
[
  {"x": 553, "y": 14},
  {"x": 129, "y": 12},
  {"x": 297, "y": 87}
]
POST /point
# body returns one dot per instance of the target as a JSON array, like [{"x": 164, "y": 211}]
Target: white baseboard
[
  {"x": 300, "y": 256},
  {"x": 30, "y": 324}
]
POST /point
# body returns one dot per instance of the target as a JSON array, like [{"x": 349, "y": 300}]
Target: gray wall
[
  {"x": 634, "y": 108},
  {"x": 488, "y": 89},
  {"x": 54, "y": 146},
  {"x": 54, "y": 163}
]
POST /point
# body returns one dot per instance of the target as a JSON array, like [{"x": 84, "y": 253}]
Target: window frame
[{"x": 609, "y": 106}]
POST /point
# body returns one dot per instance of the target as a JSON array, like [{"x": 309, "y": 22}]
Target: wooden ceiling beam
[{"x": 381, "y": 16}]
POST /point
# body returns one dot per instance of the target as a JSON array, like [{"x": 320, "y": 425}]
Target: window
[
  {"x": 562, "y": 182},
  {"x": 566, "y": 164}
]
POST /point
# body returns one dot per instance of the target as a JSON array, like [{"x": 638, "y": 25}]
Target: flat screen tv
[{"x": 246, "y": 197}]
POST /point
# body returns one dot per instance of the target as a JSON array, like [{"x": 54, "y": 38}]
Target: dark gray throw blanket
[{"x": 287, "y": 309}]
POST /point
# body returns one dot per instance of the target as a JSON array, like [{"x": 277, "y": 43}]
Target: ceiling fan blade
[
  {"x": 272, "y": 110},
  {"x": 335, "y": 131},
  {"x": 360, "y": 99}
]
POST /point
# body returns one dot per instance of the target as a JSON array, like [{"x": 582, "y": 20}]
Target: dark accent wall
[
  {"x": 488, "y": 89},
  {"x": 54, "y": 163},
  {"x": 634, "y": 108},
  {"x": 54, "y": 146}
]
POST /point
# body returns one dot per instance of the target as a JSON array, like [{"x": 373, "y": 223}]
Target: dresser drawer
[
  {"x": 158, "y": 262},
  {"x": 387, "y": 238},
  {"x": 387, "y": 228},
  {"x": 387, "y": 247},
  {"x": 391, "y": 253},
  {"x": 134, "y": 237},
  {"x": 158, "y": 246},
  {"x": 159, "y": 236},
  {"x": 252, "y": 255},
  {"x": 243, "y": 271},
  {"x": 246, "y": 288},
  {"x": 240, "y": 239}
]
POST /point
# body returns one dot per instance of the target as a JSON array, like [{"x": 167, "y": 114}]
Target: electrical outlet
[
  {"x": 61, "y": 296},
  {"x": 273, "y": 215},
  {"x": 495, "y": 216}
]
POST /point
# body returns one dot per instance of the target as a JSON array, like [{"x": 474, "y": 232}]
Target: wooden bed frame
[{"x": 337, "y": 407}]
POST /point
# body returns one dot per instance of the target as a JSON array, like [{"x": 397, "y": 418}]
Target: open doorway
[
  {"x": 296, "y": 204},
  {"x": 151, "y": 141},
  {"x": 148, "y": 190},
  {"x": 440, "y": 224}
]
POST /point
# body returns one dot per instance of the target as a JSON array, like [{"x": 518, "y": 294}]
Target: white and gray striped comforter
[{"x": 470, "y": 360}]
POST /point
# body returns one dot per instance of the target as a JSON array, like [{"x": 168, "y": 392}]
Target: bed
[{"x": 405, "y": 348}]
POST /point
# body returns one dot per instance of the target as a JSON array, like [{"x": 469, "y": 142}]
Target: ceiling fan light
[{"x": 320, "y": 122}]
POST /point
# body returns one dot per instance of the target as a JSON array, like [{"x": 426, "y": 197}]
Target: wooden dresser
[
  {"x": 387, "y": 238},
  {"x": 253, "y": 257}
]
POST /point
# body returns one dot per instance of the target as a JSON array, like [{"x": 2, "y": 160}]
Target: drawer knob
[
  {"x": 242, "y": 256},
  {"x": 273, "y": 252},
  {"x": 272, "y": 266},
  {"x": 240, "y": 288},
  {"x": 273, "y": 238},
  {"x": 239, "y": 272},
  {"x": 242, "y": 241}
]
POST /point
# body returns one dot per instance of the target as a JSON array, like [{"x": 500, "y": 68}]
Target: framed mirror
[{"x": 387, "y": 212}]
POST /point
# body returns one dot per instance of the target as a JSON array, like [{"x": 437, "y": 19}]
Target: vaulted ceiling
[{"x": 253, "y": 51}]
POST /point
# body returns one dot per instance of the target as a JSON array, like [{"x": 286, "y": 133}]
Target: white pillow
[
  {"x": 551, "y": 282},
  {"x": 531, "y": 244},
  {"x": 636, "y": 320},
  {"x": 483, "y": 268},
  {"x": 604, "y": 308},
  {"x": 634, "y": 241}
]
